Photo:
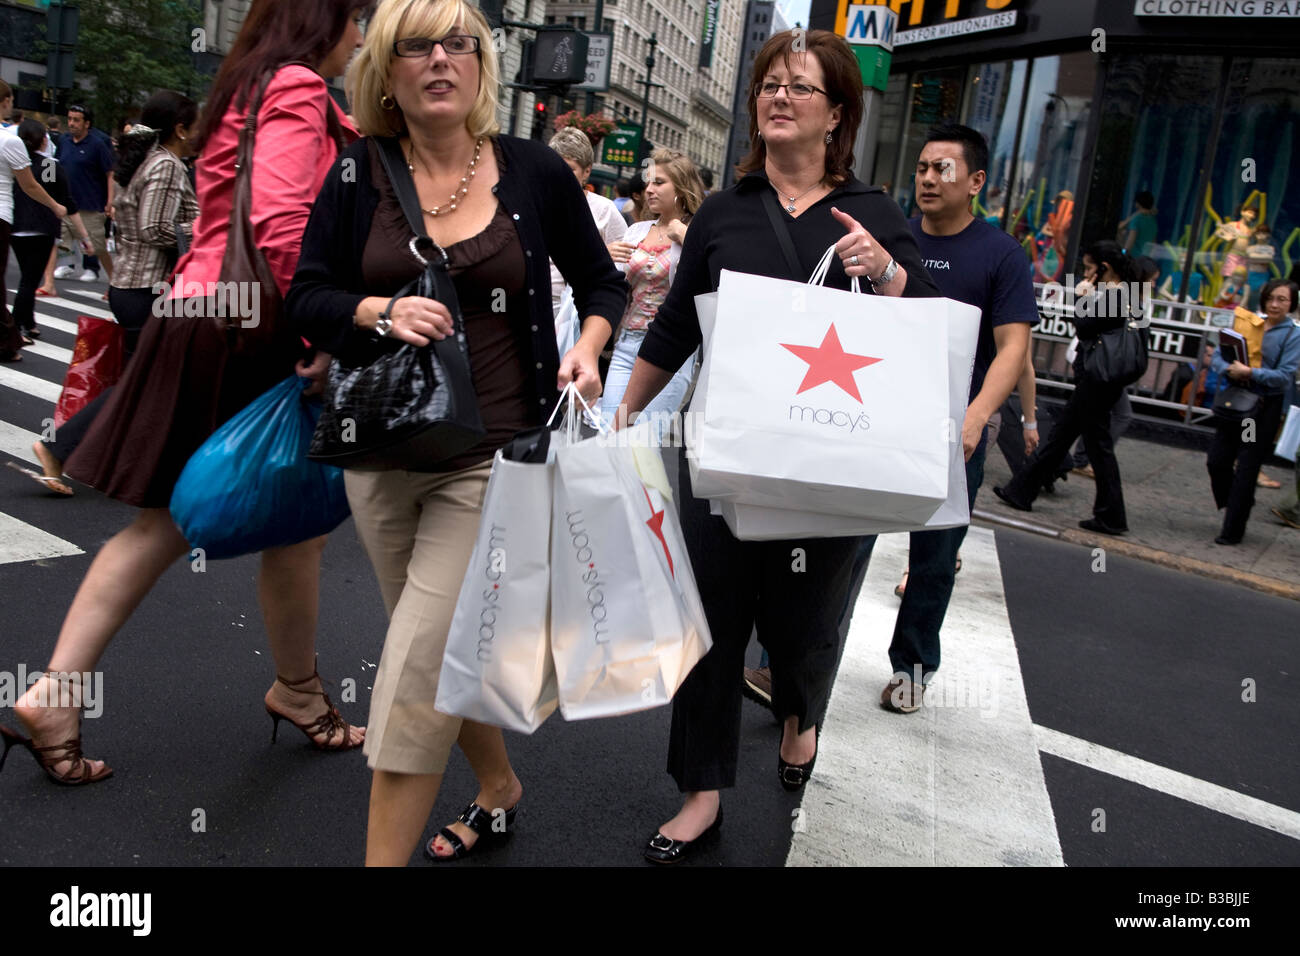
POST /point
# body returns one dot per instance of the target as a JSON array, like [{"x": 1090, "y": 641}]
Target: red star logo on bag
[
  {"x": 656, "y": 524},
  {"x": 829, "y": 362}
]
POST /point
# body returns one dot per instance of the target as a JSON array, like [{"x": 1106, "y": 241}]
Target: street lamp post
[{"x": 645, "y": 98}]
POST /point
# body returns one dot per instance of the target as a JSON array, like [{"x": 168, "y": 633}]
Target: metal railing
[{"x": 1178, "y": 334}]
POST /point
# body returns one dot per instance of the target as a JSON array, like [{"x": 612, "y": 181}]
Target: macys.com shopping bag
[
  {"x": 96, "y": 365},
  {"x": 824, "y": 400},
  {"x": 497, "y": 666},
  {"x": 755, "y": 523},
  {"x": 250, "y": 486},
  {"x": 627, "y": 624}
]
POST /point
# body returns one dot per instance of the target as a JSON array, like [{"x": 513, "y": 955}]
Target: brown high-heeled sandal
[
  {"x": 327, "y": 723},
  {"x": 78, "y": 774}
]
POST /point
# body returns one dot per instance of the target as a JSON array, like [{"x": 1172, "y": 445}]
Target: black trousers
[
  {"x": 11, "y": 337},
  {"x": 131, "y": 308},
  {"x": 1087, "y": 413},
  {"x": 792, "y": 593},
  {"x": 1233, "y": 463},
  {"x": 31, "y": 252}
]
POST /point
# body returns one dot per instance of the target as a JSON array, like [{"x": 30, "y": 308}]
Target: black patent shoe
[
  {"x": 794, "y": 775},
  {"x": 478, "y": 820},
  {"x": 662, "y": 849}
]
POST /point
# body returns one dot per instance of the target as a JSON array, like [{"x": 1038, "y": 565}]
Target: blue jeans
[{"x": 662, "y": 405}]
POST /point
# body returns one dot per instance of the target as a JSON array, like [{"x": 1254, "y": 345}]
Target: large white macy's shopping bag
[
  {"x": 627, "y": 624},
  {"x": 497, "y": 666},
  {"x": 756, "y": 523},
  {"x": 823, "y": 400}
]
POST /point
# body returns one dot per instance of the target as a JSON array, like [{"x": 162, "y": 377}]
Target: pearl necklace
[{"x": 457, "y": 196}]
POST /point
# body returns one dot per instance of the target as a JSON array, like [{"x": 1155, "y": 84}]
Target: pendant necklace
[
  {"x": 457, "y": 196},
  {"x": 791, "y": 200}
]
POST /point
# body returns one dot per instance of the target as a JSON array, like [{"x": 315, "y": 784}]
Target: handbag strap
[
  {"x": 399, "y": 175},
  {"x": 782, "y": 236}
]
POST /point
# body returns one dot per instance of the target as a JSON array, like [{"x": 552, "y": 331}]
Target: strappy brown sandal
[
  {"x": 327, "y": 723},
  {"x": 78, "y": 774}
]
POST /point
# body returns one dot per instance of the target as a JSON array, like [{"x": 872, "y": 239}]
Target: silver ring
[{"x": 853, "y": 260}]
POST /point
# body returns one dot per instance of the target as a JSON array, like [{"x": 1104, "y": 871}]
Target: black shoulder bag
[
  {"x": 1117, "y": 356},
  {"x": 1236, "y": 403},
  {"x": 390, "y": 404}
]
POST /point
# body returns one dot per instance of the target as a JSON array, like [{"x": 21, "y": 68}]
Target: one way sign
[{"x": 870, "y": 26}]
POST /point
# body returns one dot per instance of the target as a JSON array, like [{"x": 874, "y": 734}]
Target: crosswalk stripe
[
  {"x": 58, "y": 325},
  {"x": 1171, "y": 782},
  {"x": 46, "y": 350},
  {"x": 10, "y": 377},
  {"x": 98, "y": 311},
  {"x": 17, "y": 442},
  {"x": 20, "y": 541},
  {"x": 958, "y": 783},
  {"x": 85, "y": 294}
]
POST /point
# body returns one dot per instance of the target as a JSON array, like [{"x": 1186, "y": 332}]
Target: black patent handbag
[{"x": 389, "y": 404}]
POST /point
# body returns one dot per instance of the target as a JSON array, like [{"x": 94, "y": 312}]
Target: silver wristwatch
[{"x": 887, "y": 276}]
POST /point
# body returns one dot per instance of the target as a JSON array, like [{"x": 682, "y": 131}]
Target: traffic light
[
  {"x": 560, "y": 57},
  {"x": 539, "y": 120}
]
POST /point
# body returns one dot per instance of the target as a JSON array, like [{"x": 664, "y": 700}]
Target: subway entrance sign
[
  {"x": 622, "y": 146},
  {"x": 869, "y": 29}
]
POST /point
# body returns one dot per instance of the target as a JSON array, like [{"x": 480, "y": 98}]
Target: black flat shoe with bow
[
  {"x": 662, "y": 849},
  {"x": 794, "y": 775}
]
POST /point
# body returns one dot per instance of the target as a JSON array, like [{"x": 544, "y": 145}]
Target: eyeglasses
[
  {"x": 796, "y": 91},
  {"x": 458, "y": 44}
]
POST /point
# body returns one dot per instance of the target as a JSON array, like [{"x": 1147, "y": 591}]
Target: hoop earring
[
  {"x": 828, "y": 137},
  {"x": 387, "y": 102}
]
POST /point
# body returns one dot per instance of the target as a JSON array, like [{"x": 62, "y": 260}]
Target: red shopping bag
[{"x": 96, "y": 365}]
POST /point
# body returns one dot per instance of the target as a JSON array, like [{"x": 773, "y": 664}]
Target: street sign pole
[
  {"x": 597, "y": 27},
  {"x": 869, "y": 29}
]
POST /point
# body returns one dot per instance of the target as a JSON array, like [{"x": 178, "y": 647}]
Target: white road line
[
  {"x": 959, "y": 783},
  {"x": 45, "y": 349},
  {"x": 10, "y": 377},
  {"x": 19, "y": 541},
  {"x": 1170, "y": 782},
  {"x": 85, "y": 294},
  {"x": 59, "y": 325},
  {"x": 98, "y": 311},
  {"x": 18, "y": 441}
]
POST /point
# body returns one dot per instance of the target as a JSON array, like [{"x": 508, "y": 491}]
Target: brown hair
[
  {"x": 843, "y": 88},
  {"x": 681, "y": 172},
  {"x": 274, "y": 33},
  {"x": 6, "y": 90}
]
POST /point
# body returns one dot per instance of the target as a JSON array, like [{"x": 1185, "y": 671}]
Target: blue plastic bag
[{"x": 251, "y": 486}]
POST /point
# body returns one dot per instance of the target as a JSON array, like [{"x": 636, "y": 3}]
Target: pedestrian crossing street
[
  {"x": 960, "y": 783},
  {"x": 28, "y": 392}
]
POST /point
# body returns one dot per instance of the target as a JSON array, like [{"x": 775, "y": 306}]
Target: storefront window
[
  {"x": 891, "y": 131},
  {"x": 1152, "y": 142},
  {"x": 996, "y": 91},
  {"x": 1251, "y": 231},
  {"x": 1046, "y": 171}
]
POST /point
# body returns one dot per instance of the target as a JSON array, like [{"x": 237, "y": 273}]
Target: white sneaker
[
  {"x": 87, "y": 276},
  {"x": 64, "y": 272}
]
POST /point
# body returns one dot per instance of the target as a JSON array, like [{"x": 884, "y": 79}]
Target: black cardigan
[
  {"x": 732, "y": 231},
  {"x": 31, "y": 216},
  {"x": 552, "y": 218}
]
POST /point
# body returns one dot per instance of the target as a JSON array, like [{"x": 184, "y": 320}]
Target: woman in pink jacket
[{"x": 184, "y": 382}]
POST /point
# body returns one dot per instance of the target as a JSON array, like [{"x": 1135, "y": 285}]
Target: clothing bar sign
[
  {"x": 710, "y": 32},
  {"x": 1218, "y": 8}
]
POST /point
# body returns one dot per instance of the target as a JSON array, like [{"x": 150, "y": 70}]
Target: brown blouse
[{"x": 488, "y": 270}]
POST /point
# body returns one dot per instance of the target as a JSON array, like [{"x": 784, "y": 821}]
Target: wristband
[{"x": 1029, "y": 426}]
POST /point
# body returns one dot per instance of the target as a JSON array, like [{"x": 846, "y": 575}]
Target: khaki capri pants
[{"x": 418, "y": 529}]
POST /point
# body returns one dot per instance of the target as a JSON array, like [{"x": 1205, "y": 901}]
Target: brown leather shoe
[
  {"x": 758, "y": 685},
  {"x": 902, "y": 696}
]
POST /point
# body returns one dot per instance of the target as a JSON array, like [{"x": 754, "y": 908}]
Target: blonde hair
[
  {"x": 681, "y": 172},
  {"x": 573, "y": 144},
  {"x": 369, "y": 78}
]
